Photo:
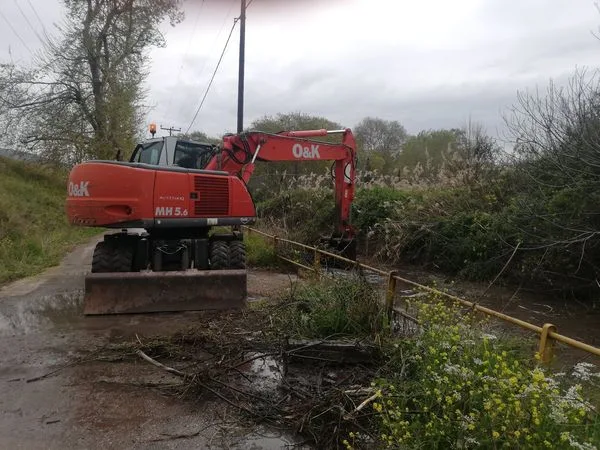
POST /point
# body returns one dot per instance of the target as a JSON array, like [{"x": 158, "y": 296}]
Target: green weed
[
  {"x": 332, "y": 307},
  {"x": 34, "y": 233},
  {"x": 260, "y": 252}
]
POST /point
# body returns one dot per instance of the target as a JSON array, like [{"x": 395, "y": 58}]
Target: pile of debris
[{"x": 318, "y": 389}]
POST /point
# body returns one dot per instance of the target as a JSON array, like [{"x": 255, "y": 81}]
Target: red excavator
[{"x": 166, "y": 202}]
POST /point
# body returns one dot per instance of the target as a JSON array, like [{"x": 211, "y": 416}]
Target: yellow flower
[
  {"x": 517, "y": 434},
  {"x": 538, "y": 375},
  {"x": 495, "y": 434}
]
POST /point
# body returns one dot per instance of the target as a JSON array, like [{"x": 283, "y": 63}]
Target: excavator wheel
[
  {"x": 219, "y": 255},
  {"x": 101, "y": 259},
  {"x": 237, "y": 255},
  {"x": 109, "y": 257}
]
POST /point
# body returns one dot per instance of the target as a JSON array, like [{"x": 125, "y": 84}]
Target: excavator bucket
[
  {"x": 341, "y": 245},
  {"x": 144, "y": 292}
]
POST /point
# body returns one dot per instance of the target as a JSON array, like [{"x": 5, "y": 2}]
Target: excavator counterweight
[{"x": 169, "y": 205}]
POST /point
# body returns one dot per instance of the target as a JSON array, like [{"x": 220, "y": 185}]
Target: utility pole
[
  {"x": 240, "y": 112},
  {"x": 170, "y": 129}
]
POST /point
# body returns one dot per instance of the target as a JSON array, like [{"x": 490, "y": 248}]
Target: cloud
[{"x": 429, "y": 64}]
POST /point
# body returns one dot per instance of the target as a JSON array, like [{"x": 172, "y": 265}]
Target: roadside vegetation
[
  {"x": 260, "y": 253},
  {"x": 34, "y": 233},
  {"x": 321, "y": 360}
]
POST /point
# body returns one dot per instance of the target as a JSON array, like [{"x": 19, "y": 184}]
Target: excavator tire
[
  {"x": 122, "y": 259},
  {"x": 237, "y": 255},
  {"x": 111, "y": 258},
  {"x": 219, "y": 255},
  {"x": 102, "y": 258}
]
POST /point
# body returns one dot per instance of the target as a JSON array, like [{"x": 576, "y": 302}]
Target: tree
[
  {"x": 556, "y": 160},
  {"x": 200, "y": 136},
  {"x": 379, "y": 135},
  {"x": 473, "y": 156},
  {"x": 426, "y": 152},
  {"x": 82, "y": 97}
]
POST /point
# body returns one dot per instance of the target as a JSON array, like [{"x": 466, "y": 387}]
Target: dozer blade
[{"x": 143, "y": 292}]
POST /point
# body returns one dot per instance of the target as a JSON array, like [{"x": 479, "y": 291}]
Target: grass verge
[{"x": 34, "y": 233}]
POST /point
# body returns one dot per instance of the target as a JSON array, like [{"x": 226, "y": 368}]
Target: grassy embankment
[{"x": 34, "y": 233}]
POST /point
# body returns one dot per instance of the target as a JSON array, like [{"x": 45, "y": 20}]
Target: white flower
[
  {"x": 581, "y": 446},
  {"x": 452, "y": 369},
  {"x": 471, "y": 441},
  {"x": 582, "y": 371},
  {"x": 466, "y": 421},
  {"x": 477, "y": 361},
  {"x": 488, "y": 336}
]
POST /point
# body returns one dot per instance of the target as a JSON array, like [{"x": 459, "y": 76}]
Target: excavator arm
[{"x": 240, "y": 153}]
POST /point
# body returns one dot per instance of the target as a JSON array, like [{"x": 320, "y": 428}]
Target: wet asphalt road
[{"x": 95, "y": 404}]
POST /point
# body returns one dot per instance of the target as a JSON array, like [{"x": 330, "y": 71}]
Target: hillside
[{"x": 34, "y": 233}]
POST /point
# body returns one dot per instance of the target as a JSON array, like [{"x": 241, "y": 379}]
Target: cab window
[
  {"x": 191, "y": 155},
  {"x": 148, "y": 153}
]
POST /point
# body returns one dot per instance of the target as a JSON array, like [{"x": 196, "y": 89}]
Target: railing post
[
  {"x": 275, "y": 244},
  {"x": 317, "y": 262},
  {"x": 390, "y": 295},
  {"x": 546, "y": 350}
]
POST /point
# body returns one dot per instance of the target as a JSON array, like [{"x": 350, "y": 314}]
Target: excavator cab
[{"x": 173, "y": 151}]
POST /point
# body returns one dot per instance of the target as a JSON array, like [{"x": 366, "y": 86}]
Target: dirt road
[{"x": 99, "y": 404}]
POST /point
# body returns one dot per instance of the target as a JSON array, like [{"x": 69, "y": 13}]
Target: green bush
[
  {"x": 374, "y": 206},
  {"x": 260, "y": 252},
  {"x": 303, "y": 214},
  {"x": 332, "y": 307},
  {"x": 458, "y": 387}
]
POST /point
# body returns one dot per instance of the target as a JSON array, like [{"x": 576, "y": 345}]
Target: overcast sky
[{"x": 427, "y": 63}]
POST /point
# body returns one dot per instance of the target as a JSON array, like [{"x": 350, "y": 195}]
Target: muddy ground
[
  {"x": 90, "y": 403},
  {"x": 55, "y": 392}
]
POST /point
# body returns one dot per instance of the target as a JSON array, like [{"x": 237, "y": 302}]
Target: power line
[
  {"x": 168, "y": 109},
  {"x": 37, "y": 16},
  {"x": 213, "y": 75},
  {"x": 28, "y": 22},
  {"x": 217, "y": 38},
  {"x": 15, "y": 31}
]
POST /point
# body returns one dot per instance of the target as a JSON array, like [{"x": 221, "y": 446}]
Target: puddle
[
  {"x": 265, "y": 372},
  {"x": 263, "y": 439},
  {"x": 24, "y": 316}
]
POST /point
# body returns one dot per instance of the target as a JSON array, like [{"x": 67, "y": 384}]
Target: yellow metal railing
[{"x": 547, "y": 332}]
